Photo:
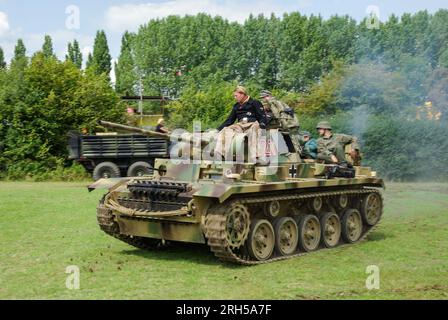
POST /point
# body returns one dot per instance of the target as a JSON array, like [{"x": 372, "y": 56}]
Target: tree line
[{"x": 336, "y": 68}]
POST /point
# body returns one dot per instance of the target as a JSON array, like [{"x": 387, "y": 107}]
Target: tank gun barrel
[
  {"x": 150, "y": 133},
  {"x": 169, "y": 137}
]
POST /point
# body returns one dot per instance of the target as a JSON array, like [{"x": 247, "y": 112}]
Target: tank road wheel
[
  {"x": 341, "y": 202},
  {"x": 106, "y": 170},
  {"x": 272, "y": 209},
  {"x": 371, "y": 209},
  {"x": 315, "y": 204},
  {"x": 261, "y": 241},
  {"x": 351, "y": 226},
  {"x": 286, "y": 236},
  {"x": 331, "y": 229},
  {"x": 140, "y": 169},
  {"x": 237, "y": 226},
  {"x": 310, "y": 233}
]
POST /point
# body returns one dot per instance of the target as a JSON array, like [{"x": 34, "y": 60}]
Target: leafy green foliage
[
  {"x": 2, "y": 59},
  {"x": 210, "y": 105},
  {"x": 50, "y": 99},
  {"x": 401, "y": 149}
]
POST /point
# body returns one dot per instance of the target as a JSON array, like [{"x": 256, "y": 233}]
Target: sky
[{"x": 66, "y": 20}]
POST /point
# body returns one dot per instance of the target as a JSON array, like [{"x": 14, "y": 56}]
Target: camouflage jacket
[
  {"x": 280, "y": 114},
  {"x": 327, "y": 147}
]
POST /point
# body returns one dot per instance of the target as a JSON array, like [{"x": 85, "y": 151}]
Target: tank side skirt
[{"x": 224, "y": 192}]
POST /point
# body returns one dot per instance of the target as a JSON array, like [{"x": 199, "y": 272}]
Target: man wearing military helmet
[
  {"x": 281, "y": 116},
  {"x": 331, "y": 147}
]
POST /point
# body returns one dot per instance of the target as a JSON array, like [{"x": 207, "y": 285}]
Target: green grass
[{"x": 45, "y": 227}]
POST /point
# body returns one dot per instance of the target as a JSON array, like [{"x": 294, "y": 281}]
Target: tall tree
[
  {"x": 74, "y": 54},
  {"x": 47, "y": 47},
  {"x": 19, "y": 61},
  {"x": 19, "y": 50},
  {"x": 89, "y": 62},
  {"x": 101, "y": 55},
  {"x": 124, "y": 68},
  {"x": 2, "y": 59}
]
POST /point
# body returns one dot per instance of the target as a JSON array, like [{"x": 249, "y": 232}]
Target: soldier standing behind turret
[{"x": 281, "y": 116}]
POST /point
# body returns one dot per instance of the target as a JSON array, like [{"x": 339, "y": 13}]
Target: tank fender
[
  {"x": 218, "y": 191},
  {"x": 106, "y": 183}
]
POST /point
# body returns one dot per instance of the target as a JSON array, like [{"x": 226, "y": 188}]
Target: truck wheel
[
  {"x": 106, "y": 170},
  {"x": 140, "y": 169}
]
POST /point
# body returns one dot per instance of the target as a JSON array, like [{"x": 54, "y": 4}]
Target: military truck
[
  {"x": 247, "y": 213},
  {"x": 120, "y": 154}
]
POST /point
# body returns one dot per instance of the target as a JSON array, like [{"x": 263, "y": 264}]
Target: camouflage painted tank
[{"x": 247, "y": 213}]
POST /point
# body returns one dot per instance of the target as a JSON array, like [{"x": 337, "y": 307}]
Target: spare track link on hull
[
  {"x": 215, "y": 225},
  {"x": 107, "y": 223}
]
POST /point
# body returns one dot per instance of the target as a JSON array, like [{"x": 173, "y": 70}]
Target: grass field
[{"x": 45, "y": 227}]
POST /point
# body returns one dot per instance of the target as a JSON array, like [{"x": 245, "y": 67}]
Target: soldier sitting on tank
[
  {"x": 331, "y": 147},
  {"x": 281, "y": 116},
  {"x": 249, "y": 116},
  {"x": 309, "y": 146},
  {"x": 246, "y": 111}
]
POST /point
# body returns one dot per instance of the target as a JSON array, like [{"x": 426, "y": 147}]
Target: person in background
[
  {"x": 309, "y": 146},
  {"x": 160, "y": 128}
]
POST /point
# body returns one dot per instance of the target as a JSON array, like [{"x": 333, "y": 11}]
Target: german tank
[{"x": 248, "y": 212}]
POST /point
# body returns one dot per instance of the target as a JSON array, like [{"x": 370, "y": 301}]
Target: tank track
[
  {"x": 215, "y": 225},
  {"x": 108, "y": 224}
]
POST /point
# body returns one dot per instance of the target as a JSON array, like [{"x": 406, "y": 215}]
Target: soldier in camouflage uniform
[
  {"x": 281, "y": 116},
  {"x": 331, "y": 147}
]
